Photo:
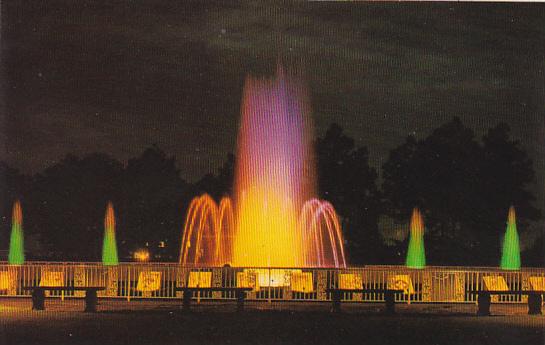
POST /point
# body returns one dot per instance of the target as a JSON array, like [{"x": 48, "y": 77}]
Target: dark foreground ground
[{"x": 147, "y": 322}]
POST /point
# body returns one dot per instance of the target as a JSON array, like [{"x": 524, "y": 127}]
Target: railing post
[
  {"x": 269, "y": 288},
  {"x": 112, "y": 275},
  {"x": 141, "y": 282},
  {"x": 79, "y": 280},
  {"x": 426, "y": 287},
  {"x": 13, "y": 279},
  {"x": 286, "y": 289},
  {"x": 496, "y": 298},
  {"x": 525, "y": 285},
  {"x": 253, "y": 282},
  {"x": 459, "y": 287},
  {"x": 128, "y": 290},
  {"x": 216, "y": 282},
  {"x": 181, "y": 280},
  {"x": 355, "y": 283},
  {"x": 321, "y": 285}
]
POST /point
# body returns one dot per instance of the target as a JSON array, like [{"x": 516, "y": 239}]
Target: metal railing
[{"x": 159, "y": 281}]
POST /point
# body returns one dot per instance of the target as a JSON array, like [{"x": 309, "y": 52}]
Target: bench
[
  {"x": 496, "y": 285},
  {"x": 38, "y": 295},
  {"x": 389, "y": 297},
  {"x": 240, "y": 294},
  {"x": 535, "y": 300}
]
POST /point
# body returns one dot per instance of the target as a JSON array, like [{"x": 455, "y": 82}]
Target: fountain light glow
[
  {"x": 273, "y": 218},
  {"x": 416, "y": 255},
  {"x": 141, "y": 255},
  {"x": 510, "y": 259},
  {"x": 16, "y": 255}
]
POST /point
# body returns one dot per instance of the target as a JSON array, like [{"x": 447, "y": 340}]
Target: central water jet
[
  {"x": 274, "y": 173},
  {"x": 274, "y": 219}
]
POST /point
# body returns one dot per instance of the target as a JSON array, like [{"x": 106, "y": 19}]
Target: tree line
[{"x": 463, "y": 184}]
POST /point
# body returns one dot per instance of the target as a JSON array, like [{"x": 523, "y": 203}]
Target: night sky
[{"x": 82, "y": 77}]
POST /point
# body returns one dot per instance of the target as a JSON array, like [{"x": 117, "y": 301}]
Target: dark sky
[{"x": 81, "y": 76}]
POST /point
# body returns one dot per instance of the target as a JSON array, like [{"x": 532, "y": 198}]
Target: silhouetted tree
[
  {"x": 67, "y": 204},
  {"x": 220, "y": 184},
  {"x": 534, "y": 256},
  {"x": 463, "y": 187},
  {"x": 349, "y": 183},
  {"x": 153, "y": 204},
  {"x": 506, "y": 174}
]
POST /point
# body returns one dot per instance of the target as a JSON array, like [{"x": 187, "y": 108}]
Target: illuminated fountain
[
  {"x": 208, "y": 232},
  {"x": 16, "y": 255},
  {"x": 510, "y": 259},
  {"x": 416, "y": 255},
  {"x": 274, "y": 218},
  {"x": 109, "y": 246}
]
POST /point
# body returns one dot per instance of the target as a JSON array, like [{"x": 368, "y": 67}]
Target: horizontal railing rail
[{"x": 433, "y": 284}]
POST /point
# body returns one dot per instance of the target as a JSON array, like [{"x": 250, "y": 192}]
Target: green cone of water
[
  {"x": 109, "y": 246},
  {"x": 16, "y": 254},
  {"x": 510, "y": 258},
  {"x": 416, "y": 255}
]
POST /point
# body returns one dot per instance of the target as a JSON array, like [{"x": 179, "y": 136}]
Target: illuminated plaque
[
  {"x": 200, "y": 279},
  {"x": 52, "y": 279},
  {"x": 6, "y": 280},
  {"x": 495, "y": 283},
  {"x": 302, "y": 282},
  {"x": 350, "y": 281},
  {"x": 149, "y": 281},
  {"x": 537, "y": 283},
  {"x": 247, "y": 279},
  {"x": 401, "y": 282}
]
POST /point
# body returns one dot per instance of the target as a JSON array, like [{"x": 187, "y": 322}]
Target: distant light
[
  {"x": 141, "y": 255},
  {"x": 161, "y": 244}
]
